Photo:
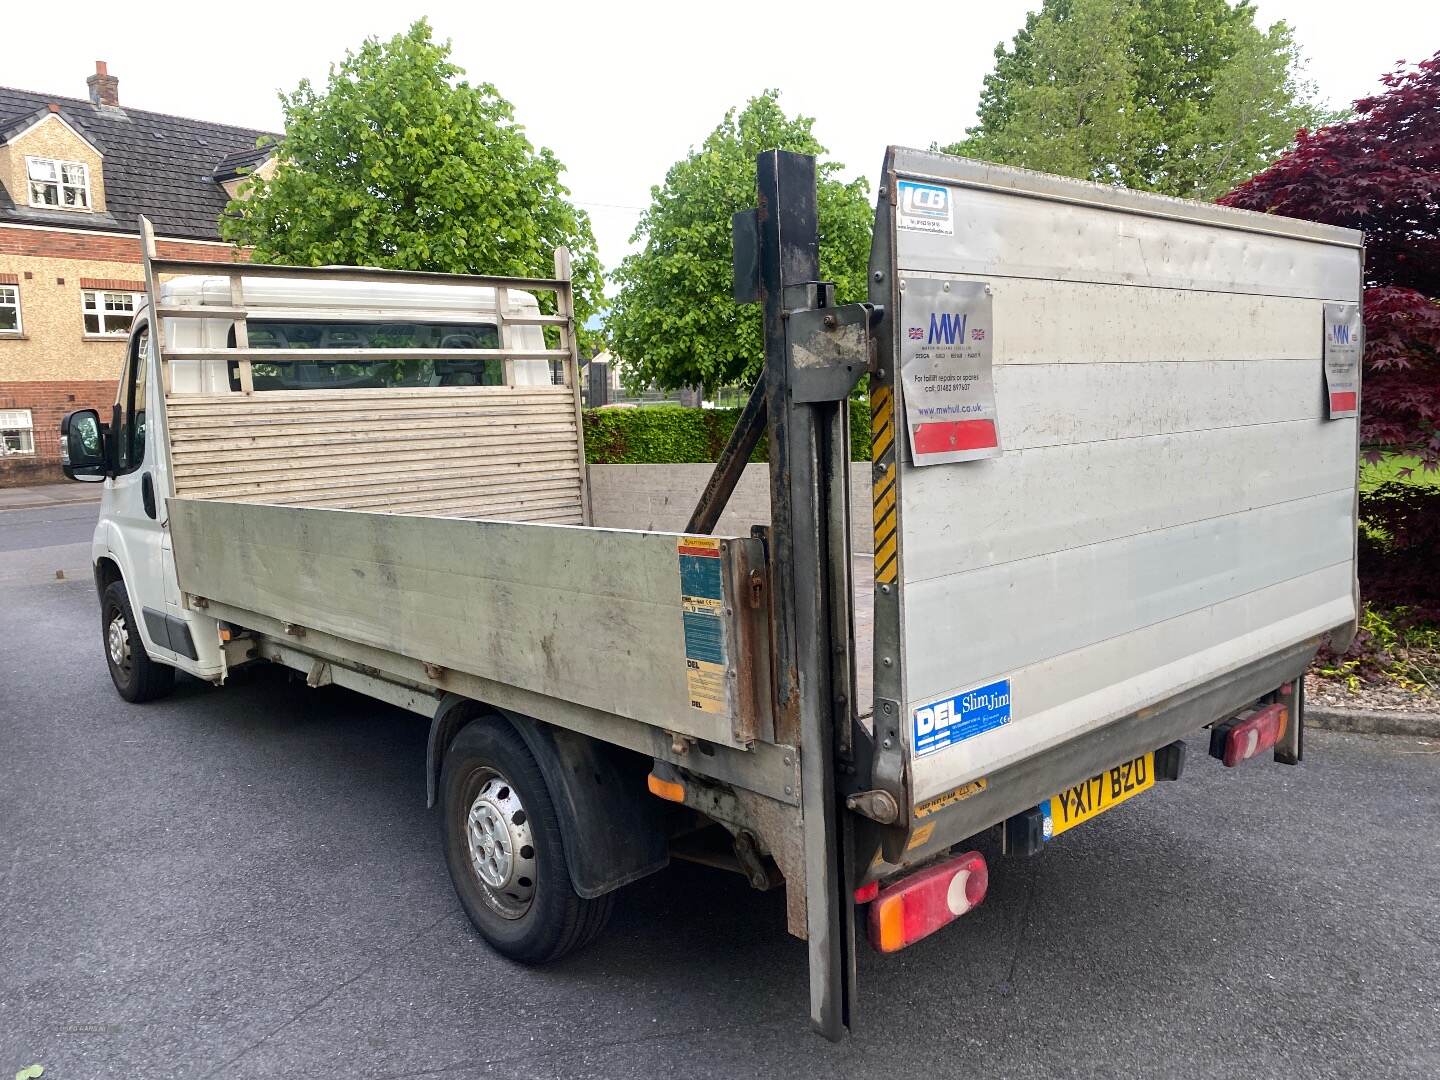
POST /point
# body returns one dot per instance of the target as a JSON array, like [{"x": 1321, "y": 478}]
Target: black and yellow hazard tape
[
  {"x": 882, "y": 426},
  {"x": 882, "y": 444}
]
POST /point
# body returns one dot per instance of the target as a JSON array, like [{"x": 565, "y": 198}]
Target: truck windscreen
[{"x": 330, "y": 374}]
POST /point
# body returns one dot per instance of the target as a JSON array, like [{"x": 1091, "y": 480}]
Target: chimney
[{"x": 104, "y": 87}]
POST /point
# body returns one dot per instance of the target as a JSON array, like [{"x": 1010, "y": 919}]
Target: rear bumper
[{"x": 1021, "y": 786}]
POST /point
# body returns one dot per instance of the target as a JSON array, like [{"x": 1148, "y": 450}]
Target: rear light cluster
[
  {"x": 1248, "y": 736},
  {"x": 915, "y": 907}
]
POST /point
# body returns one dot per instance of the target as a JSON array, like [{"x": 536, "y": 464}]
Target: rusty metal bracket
[
  {"x": 830, "y": 349},
  {"x": 747, "y": 854},
  {"x": 885, "y": 766}
]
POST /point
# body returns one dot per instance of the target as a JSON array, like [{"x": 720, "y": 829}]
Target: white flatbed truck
[{"x": 1114, "y": 503}]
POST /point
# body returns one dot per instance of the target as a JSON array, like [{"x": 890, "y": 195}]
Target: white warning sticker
[
  {"x": 1344, "y": 331},
  {"x": 946, "y": 331},
  {"x": 924, "y": 208}
]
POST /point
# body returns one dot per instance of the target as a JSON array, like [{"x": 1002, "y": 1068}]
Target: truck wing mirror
[{"x": 82, "y": 446}]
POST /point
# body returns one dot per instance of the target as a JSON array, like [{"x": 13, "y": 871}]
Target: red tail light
[
  {"x": 1245, "y": 737},
  {"x": 917, "y": 906}
]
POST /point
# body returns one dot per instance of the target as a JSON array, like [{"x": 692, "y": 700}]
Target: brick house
[{"x": 75, "y": 176}]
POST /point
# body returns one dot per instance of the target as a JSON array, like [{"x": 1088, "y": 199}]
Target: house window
[
  {"x": 65, "y": 184},
  {"x": 9, "y": 309},
  {"x": 17, "y": 433},
  {"x": 109, "y": 312}
]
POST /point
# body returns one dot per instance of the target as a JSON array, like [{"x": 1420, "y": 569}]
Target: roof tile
[{"x": 166, "y": 167}]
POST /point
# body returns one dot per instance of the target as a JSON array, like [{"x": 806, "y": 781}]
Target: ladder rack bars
[{"x": 239, "y": 311}]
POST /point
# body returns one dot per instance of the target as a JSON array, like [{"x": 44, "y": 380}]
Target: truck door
[{"x": 137, "y": 504}]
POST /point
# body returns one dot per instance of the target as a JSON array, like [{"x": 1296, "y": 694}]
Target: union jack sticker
[{"x": 917, "y": 333}]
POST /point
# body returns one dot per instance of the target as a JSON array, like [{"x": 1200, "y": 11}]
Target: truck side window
[
  {"x": 333, "y": 374},
  {"x": 130, "y": 438}
]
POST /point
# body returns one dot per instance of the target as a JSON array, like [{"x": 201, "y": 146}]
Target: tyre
[
  {"x": 503, "y": 847},
  {"x": 137, "y": 678}
]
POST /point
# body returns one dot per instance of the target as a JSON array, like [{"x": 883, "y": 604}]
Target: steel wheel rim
[
  {"x": 117, "y": 640},
  {"x": 501, "y": 846}
]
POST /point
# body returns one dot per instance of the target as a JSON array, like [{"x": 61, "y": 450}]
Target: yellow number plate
[{"x": 1098, "y": 794}]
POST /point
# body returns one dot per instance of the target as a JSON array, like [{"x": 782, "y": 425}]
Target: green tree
[
  {"x": 1184, "y": 97},
  {"x": 399, "y": 163},
  {"x": 675, "y": 322},
  {"x": 1064, "y": 93}
]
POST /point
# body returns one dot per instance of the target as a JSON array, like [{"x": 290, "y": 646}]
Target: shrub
[
  {"x": 1379, "y": 170},
  {"x": 1388, "y": 647},
  {"x": 671, "y": 434},
  {"x": 1398, "y": 639},
  {"x": 1400, "y": 549}
]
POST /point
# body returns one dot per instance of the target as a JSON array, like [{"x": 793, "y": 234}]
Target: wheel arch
[
  {"x": 613, "y": 828},
  {"x": 107, "y": 571}
]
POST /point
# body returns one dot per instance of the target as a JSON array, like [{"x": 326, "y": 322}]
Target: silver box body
[{"x": 1172, "y": 503}]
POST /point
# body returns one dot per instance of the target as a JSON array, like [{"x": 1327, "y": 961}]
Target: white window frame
[
  {"x": 14, "y": 292},
  {"x": 22, "y": 423},
  {"x": 99, "y": 298},
  {"x": 66, "y": 177}
]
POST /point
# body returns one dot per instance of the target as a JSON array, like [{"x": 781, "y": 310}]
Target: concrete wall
[{"x": 661, "y": 497}]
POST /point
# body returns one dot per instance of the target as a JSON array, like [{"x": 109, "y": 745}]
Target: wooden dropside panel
[{"x": 478, "y": 452}]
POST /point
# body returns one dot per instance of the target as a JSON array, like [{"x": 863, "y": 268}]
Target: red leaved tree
[{"x": 1380, "y": 172}]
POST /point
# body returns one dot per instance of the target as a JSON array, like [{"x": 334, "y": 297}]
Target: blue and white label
[
  {"x": 961, "y": 717},
  {"x": 924, "y": 207}
]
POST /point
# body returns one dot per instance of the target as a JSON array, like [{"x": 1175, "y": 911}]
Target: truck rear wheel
[
  {"x": 136, "y": 677},
  {"x": 504, "y": 850}
]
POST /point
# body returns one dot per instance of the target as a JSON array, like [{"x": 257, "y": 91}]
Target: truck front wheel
[
  {"x": 504, "y": 849},
  {"x": 137, "y": 678}
]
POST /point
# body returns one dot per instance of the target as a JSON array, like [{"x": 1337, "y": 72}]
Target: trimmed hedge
[
  {"x": 673, "y": 435},
  {"x": 1400, "y": 549}
]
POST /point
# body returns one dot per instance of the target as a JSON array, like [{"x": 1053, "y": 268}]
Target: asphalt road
[{"x": 245, "y": 882}]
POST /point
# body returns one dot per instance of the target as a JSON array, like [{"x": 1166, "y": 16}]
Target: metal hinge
[{"x": 876, "y": 805}]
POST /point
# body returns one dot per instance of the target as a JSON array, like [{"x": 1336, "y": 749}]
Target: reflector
[{"x": 665, "y": 789}]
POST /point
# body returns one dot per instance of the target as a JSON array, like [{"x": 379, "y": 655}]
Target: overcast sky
[{"x": 621, "y": 90}]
